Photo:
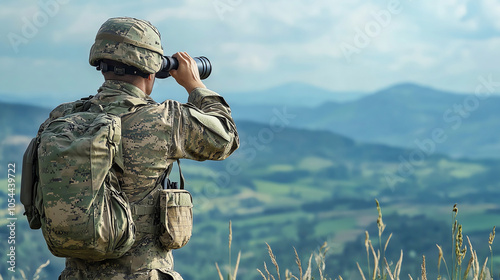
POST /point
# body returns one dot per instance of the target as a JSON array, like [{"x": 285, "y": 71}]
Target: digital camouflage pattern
[
  {"x": 153, "y": 137},
  {"x": 130, "y": 41}
]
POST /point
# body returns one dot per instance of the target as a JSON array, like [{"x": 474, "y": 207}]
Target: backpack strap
[
  {"x": 147, "y": 205},
  {"x": 145, "y": 210}
]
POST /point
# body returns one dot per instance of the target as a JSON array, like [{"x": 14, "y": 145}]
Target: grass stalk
[
  {"x": 490, "y": 242},
  {"x": 453, "y": 239},
  {"x": 367, "y": 246},
  {"x": 230, "y": 238},
  {"x": 273, "y": 260},
  {"x": 361, "y": 272},
  {"x": 381, "y": 228},
  {"x": 299, "y": 264},
  {"x": 218, "y": 270},
  {"x": 424, "y": 271}
]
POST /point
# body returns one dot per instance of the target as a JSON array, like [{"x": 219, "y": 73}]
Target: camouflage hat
[{"x": 130, "y": 41}]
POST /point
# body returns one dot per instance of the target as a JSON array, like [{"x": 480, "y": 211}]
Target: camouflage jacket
[{"x": 153, "y": 137}]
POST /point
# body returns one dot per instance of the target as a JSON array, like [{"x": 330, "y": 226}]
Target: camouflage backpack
[{"x": 70, "y": 188}]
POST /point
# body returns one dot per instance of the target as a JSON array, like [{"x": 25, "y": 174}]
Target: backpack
[{"x": 69, "y": 185}]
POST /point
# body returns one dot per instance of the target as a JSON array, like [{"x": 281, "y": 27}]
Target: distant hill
[
  {"x": 18, "y": 124},
  {"x": 400, "y": 116},
  {"x": 20, "y": 118},
  {"x": 291, "y": 94}
]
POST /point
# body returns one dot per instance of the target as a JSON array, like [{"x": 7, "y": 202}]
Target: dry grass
[
  {"x": 473, "y": 270},
  {"x": 378, "y": 267},
  {"x": 231, "y": 275},
  {"x": 36, "y": 276},
  {"x": 424, "y": 270},
  {"x": 319, "y": 258}
]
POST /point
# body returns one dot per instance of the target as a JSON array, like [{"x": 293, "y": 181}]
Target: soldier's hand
[{"x": 187, "y": 74}]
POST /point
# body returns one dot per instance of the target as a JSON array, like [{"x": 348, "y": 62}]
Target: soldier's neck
[{"x": 139, "y": 82}]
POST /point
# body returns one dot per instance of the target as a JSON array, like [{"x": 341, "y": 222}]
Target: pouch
[
  {"x": 176, "y": 215},
  {"x": 176, "y": 218},
  {"x": 29, "y": 185}
]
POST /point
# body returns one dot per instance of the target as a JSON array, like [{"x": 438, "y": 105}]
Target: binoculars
[{"x": 170, "y": 63}]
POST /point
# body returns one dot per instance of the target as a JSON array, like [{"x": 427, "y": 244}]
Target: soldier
[{"x": 153, "y": 137}]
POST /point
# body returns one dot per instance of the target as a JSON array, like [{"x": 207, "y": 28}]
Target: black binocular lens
[{"x": 170, "y": 63}]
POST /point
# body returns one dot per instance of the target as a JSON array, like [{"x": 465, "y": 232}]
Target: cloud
[
  {"x": 264, "y": 43},
  {"x": 78, "y": 25},
  {"x": 491, "y": 10},
  {"x": 186, "y": 10}
]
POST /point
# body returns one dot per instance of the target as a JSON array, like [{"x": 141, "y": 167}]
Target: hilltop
[{"x": 400, "y": 116}]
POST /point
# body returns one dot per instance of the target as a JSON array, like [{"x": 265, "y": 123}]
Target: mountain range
[
  {"x": 292, "y": 94},
  {"x": 403, "y": 115}
]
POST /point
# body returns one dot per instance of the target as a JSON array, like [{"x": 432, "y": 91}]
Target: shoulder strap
[
  {"x": 120, "y": 109},
  {"x": 173, "y": 185}
]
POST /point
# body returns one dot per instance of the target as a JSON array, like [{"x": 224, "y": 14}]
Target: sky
[{"x": 340, "y": 46}]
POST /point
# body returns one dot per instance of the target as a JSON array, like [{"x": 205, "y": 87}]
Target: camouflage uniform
[{"x": 153, "y": 137}]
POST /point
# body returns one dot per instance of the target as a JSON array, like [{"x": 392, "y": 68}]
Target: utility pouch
[
  {"x": 176, "y": 213},
  {"x": 29, "y": 185}
]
